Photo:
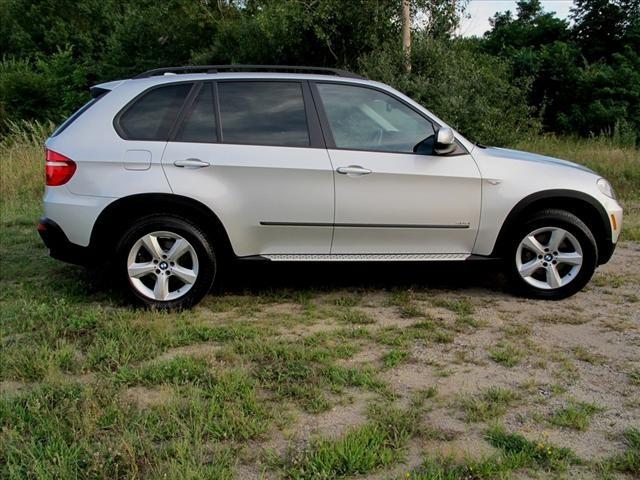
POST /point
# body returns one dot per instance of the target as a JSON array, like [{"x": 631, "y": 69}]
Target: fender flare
[{"x": 558, "y": 195}]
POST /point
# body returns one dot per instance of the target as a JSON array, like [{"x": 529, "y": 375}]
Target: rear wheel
[
  {"x": 551, "y": 256},
  {"x": 166, "y": 262}
]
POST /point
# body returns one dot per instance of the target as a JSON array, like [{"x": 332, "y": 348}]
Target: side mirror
[{"x": 445, "y": 141}]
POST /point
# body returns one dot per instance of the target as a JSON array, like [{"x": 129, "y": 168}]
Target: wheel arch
[
  {"x": 582, "y": 205},
  {"x": 118, "y": 215}
]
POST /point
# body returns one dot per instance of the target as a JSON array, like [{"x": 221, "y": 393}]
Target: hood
[{"x": 532, "y": 157}]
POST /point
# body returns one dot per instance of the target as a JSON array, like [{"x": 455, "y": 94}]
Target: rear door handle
[
  {"x": 191, "y": 163},
  {"x": 353, "y": 170}
]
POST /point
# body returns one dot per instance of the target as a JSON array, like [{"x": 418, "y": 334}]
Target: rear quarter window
[
  {"x": 152, "y": 115},
  {"x": 76, "y": 115}
]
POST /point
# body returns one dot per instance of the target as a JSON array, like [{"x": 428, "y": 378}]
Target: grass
[
  {"x": 356, "y": 317},
  {"x": 379, "y": 443},
  {"x": 394, "y": 357},
  {"x": 515, "y": 453},
  {"x": 575, "y": 415},
  {"x": 94, "y": 389},
  {"x": 568, "y": 319},
  {"x": 520, "y": 452},
  {"x": 488, "y": 405},
  {"x": 405, "y": 303},
  {"x": 506, "y": 354},
  {"x": 589, "y": 356},
  {"x": 620, "y": 165},
  {"x": 629, "y": 460}
]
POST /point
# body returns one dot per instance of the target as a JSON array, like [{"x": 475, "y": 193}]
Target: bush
[
  {"x": 43, "y": 89},
  {"x": 468, "y": 89}
]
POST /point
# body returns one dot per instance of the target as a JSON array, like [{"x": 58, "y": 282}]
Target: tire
[
  {"x": 165, "y": 262},
  {"x": 558, "y": 262}
]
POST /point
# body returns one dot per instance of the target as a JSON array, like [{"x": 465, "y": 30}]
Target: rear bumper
[{"x": 59, "y": 245}]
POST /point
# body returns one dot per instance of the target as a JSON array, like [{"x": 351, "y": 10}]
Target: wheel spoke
[
  {"x": 553, "y": 277},
  {"x": 184, "y": 274},
  {"x": 529, "y": 268},
  {"x": 137, "y": 270},
  {"x": 179, "y": 248},
  {"x": 573, "y": 258},
  {"x": 557, "y": 236},
  {"x": 150, "y": 242},
  {"x": 533, "y": 244},
  {"x": 161, "y": 289}
]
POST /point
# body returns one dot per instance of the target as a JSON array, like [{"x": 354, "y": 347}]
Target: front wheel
[
  {"x": 165, "y": 262},
  {"x": 551, "y": 256}
]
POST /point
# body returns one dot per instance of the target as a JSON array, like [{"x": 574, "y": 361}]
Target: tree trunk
[{"x": 406, "y": 34}]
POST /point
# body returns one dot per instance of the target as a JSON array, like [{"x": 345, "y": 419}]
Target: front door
[{"x": 389, "y": 199}]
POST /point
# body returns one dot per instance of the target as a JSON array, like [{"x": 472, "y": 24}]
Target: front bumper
[
  {"x": 614, "y": 216},
  {"x": 59, "y": 245},
  {"x": 605, "y": 252}
]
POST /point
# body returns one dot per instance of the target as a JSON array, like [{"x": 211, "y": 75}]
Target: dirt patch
[
  {"x": 330, "y": 424},
  {"x": 460, "y": 449},
  {"x": 12, "y": 388},
  {"x": 370, "y": 356},
  {"x": 195, "y": 350},
  {"x": 143, "y": 397}
]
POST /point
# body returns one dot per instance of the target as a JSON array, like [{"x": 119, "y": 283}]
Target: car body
[{"x": 306, "y": 166}]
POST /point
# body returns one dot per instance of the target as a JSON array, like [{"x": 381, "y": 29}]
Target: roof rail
[{"x": 275, "y": 68}]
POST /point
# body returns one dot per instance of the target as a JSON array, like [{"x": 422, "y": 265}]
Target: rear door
[
  {"x": 393, "y": 195},
  {"x": 252, "y": 150}
]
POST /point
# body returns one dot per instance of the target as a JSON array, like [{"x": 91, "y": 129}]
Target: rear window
[
  {"x": 263, "y": 113},
  {"x": 152, "y": 115}
]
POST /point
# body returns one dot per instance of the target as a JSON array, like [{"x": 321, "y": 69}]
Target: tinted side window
[
  {"x": 199, "y": 125},
  {"x": 75, "y": 116},
  {"x": 263, "y": 113},
  {"x": 152, "y": 115},
  {"x": 366, "y": 119}
]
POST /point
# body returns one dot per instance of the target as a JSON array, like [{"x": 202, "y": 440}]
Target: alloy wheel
[
  {"x": 162, "y": 266},
  {"x": 549, "y": 258}
]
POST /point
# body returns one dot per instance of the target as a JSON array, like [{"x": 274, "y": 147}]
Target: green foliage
[
  {"x": 629, "y": 460},
  {"x": 378, "y": 443},
  {"x": 468, "y": 89},
  {"x": 520, "y": 452},
  {"x": 531, "y": 69},
  {"x": 394, "y": 357},
  {"x": 489, "y": 404},
  {"x": 575, "y": 415},
  {"x": 506, "y": 354},
  {"x": 49, "y": 88},
  {"x": 585, "y": 78}
]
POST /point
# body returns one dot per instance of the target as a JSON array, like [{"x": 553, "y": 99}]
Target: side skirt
[{"x": 362, "y": 257}]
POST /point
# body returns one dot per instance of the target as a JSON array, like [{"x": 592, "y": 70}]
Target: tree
[
  {"x": 600, "y": 26},
  {"x": 406, "y": 33}
]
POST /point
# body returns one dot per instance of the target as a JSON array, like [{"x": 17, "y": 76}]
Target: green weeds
[
  {"x": 487, "y": 405},
  {"x": 575, "y": 415}
]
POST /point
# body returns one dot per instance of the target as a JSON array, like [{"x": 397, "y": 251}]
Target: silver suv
[{"x": 166, "y": 174}]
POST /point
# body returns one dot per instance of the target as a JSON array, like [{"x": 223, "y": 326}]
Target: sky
[{"x": 481, "y": 10}]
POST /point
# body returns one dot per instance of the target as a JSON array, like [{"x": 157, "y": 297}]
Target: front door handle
[
  {"x": 353, "y": 170},
  {"x": 191, "y": 163}
]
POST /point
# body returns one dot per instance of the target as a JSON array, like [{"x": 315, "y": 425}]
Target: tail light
[{"x": 59, "y": 169}]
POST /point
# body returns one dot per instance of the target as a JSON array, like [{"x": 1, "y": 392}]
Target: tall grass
[
  {"x": 619, "y": 164},
  {"x": 22, "y": 170}
]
